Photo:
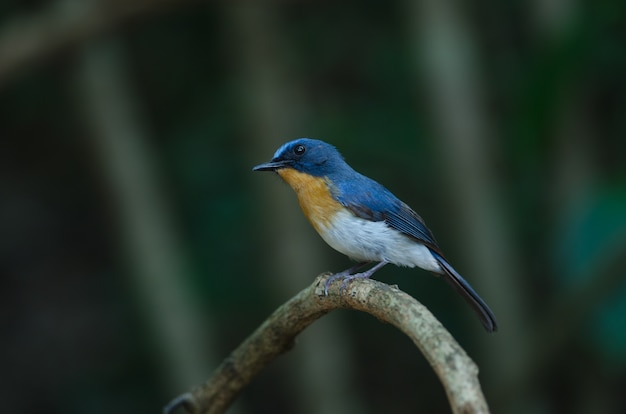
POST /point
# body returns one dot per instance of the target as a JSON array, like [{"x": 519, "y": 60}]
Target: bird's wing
[
  {"x": 369, "y": 200},
  {"x": 407, "y": 221}
]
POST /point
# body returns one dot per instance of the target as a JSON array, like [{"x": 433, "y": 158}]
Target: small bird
[{"x": 360, "y": 218}]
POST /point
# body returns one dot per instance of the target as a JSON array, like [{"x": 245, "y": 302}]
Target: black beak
[{"x": 272, "y": 165}]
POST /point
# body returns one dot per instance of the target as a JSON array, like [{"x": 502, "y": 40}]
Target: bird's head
[{"x": 306, "y": 155}]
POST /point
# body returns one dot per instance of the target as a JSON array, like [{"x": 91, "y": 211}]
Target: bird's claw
[
  {"x": 347, "y": 274},
  {"x": 344, "y": 284},
  {"x": 330, "y": 280},
  {"x": 347, "y": 278}
]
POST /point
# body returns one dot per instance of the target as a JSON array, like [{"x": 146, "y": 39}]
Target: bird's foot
[
  {"x": 347, "y": 275},
  {"x": 341, "y": 275},
  {"x": 348, "y": 278}
]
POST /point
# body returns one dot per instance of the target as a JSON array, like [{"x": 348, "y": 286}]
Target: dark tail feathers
[{"x": 464, "y": 289}]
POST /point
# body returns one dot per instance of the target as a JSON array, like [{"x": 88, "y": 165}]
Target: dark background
[{"x": 138, "y": 248}]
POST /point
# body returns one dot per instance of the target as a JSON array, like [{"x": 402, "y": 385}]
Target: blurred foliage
[{"x": 75, "y": 331}]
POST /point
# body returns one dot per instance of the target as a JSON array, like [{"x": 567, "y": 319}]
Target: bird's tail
[{"x": 467, "y": 292}]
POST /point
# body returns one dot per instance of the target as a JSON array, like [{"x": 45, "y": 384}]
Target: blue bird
[{"x": 360, "y": 218}]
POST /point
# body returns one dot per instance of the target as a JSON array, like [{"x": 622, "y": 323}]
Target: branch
[{"x": 457, "y": 372}]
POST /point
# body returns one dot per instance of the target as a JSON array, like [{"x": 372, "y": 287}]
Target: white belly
[{"x": 374, "y": 241}]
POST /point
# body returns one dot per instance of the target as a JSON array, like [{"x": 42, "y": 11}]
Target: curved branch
[{"x": 457, "y": 372}]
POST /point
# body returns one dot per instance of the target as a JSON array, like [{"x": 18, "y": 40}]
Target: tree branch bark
[{"x": 457, "y": 372}]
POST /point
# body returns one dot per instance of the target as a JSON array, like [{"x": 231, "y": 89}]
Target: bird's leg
[
  {"x": 363, "y": 275},
  {"x": 339, "y": 275}
]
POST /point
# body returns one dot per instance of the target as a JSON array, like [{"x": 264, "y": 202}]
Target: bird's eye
[{"x": 299, "y": 149}]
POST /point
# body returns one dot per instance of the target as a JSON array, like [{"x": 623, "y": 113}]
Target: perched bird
[{"x": 360, "y": 218}]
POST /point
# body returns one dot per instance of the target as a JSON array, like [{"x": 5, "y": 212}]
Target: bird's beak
[{"x": 272, "y": 165}]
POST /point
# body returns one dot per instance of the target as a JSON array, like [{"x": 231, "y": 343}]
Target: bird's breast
[{"x": 316, "y": 201}]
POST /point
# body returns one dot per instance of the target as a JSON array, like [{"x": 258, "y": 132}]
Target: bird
[{"x": 362, "y": 219}]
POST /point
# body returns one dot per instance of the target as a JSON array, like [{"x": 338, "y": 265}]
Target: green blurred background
[{"x": 138, "y": 248}]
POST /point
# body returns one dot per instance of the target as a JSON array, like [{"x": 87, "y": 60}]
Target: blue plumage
[
  {"x": 374, "y": 202},
  {"x": 361, "y": 218}
]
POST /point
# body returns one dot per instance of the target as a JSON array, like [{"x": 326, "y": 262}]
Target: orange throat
[{"x": 314, "y": 197}]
